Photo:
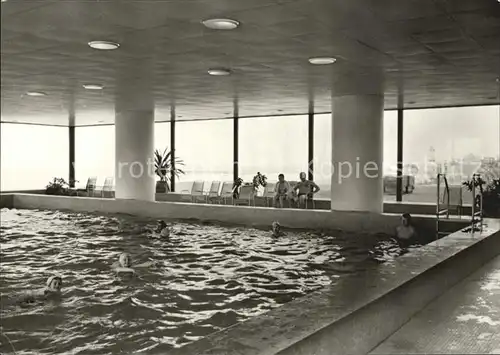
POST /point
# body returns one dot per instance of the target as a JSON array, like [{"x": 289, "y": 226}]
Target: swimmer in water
[
  {"x": 124, "y": 264},
  {"x": 162, "y": 230},
  {"x": 406, "y": 233},
  {"x": 52, "y": 290},
  {"x": 276, "y": 229}
]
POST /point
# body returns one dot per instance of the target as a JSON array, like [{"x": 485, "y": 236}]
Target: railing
[
  {"x": 440, "y": 211},
  {"x": 477, "y": 215}
]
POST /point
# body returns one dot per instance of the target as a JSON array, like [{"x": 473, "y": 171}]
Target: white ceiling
[{"x": 433, "y": 52}]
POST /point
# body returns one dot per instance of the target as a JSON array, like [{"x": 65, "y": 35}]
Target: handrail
[
  {"x": 477, "y": 178},
  {"x": 439, "y": 210}
]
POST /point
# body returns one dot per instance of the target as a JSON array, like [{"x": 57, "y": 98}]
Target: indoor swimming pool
[{"x": 207, "y": 277}]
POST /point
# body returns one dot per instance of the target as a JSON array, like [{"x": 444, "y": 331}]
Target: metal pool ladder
[
  {"x": 442, "y": 209},
  {"x": 477, "y": 210}
]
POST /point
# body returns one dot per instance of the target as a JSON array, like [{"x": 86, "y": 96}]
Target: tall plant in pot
[{"x": 164, "y": 169}]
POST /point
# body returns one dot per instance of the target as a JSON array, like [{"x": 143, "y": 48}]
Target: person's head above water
[
  {"x": 276, "y": 226},
  {"x": 54, "y": 283},
  {"x": 161, "y": 224},
  {"x": 302, "y": 176},
  {"x": 406, "y": 219},
  {"x": 125, "y": 260}
]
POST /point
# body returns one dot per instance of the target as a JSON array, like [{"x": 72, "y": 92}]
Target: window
[
  {"x": 32, "y": 155},
  {"x": 273, "y": 145},
  {"x": 455, "y": 141},
  {"x": 206, "y": 147},
  {"x": 94, "y": 153}
]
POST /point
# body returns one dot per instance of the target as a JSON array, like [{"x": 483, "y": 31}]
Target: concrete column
[
  {"x": 357, "y": 142},
  {"x": 134, "y": 136},
  {"x": 134, "y": 146},
  {"x": 357, "y": 153}
]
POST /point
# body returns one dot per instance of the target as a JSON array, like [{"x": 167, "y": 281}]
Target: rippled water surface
[{"x": 208, "y": 277}]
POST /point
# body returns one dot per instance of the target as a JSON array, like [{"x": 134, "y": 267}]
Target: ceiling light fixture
[
  {"x": 322, "y": 60},
  {"x": 36, "y": 93},
  {"x": 103, "y": 45},
  {"x": 93, "y": 86},
  {"x": 219, "y": 72},
  {"x": 221, "y": 24}
]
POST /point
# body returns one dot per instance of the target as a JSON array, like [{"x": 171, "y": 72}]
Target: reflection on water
[{"x": 208, "y": 277}]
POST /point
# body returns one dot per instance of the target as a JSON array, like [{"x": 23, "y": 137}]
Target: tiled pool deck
[{"x": 464, "y": 320}]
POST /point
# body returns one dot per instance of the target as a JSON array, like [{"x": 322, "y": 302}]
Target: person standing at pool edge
[{"x": 305, "y": 189}]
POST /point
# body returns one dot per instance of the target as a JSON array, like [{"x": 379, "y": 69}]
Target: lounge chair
[
  {"x": 196, "y": 192},
  {"x": 213, "y": 193},
  {"x": 269, "y": 193},
  {"x": 89, "y": 188},
  {"x": 227, "y": 192},
  {"x": 246, "y": 196},
  {"x": 107, "y": 189}
]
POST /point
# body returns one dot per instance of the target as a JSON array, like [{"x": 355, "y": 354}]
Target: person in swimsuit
[
  {"x": 52, "y": 290},
  {"x": 406, "y": 233},
  {"x": 305, "y": 189},
  {"x": 162, "y": 230},
  {"x": 276, "y": 229},
  {"x": 124, "y": 264},
  {"x": 281, "y": 191}
]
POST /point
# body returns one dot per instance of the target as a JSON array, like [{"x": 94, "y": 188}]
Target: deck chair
[
  {"x": 269, "y": 193},
  {"x": 246, "y": 196},
  {"x": 107, "y": 189},
  {"x": 456, "y": 199},
  {"x": 226, "y": 192},
  {"x": 213, "y": 193},
  {"x": 89, "y": 188},
  {"x": 196, "y": 193}
]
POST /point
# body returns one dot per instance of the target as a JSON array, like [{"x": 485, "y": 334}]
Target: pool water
[{"x": 208, "y": 277}]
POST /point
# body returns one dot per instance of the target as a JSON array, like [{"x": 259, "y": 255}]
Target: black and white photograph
[{"x": 250, "y": 177}]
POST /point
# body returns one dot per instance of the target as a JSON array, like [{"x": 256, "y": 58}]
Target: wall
[{"x": 244, "y": 215}]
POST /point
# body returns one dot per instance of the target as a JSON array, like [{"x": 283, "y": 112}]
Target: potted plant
[
  {"x": 236, "y": 187},
  {"x": 490, "y": 195},
  {"x": 164, "y": 169},
  {"x": 258, "y": 180},
  {"x": 58, "y": 186}
]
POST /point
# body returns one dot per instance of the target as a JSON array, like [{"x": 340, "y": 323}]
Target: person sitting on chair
[
  {"x": 281, "y": 191},
  {"x": 305, "y": 189}
]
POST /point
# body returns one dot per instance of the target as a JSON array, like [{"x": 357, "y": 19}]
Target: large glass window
[
  {"x": 32, "y": 155},
  {"x": 323, "y": 150},
  {"x": 94, "y": 153},
  {"x": 273, "y": 145},
  {"x": 456, "y": 141},
  {"x": 323, "y": 154},
  {"x": 206, "y": 147}
]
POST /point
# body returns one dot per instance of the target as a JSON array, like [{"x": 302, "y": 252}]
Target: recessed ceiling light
[
  {"x": 93, "y": 86},
  {"x": 322, "y": 60},
  {"x": 103, "y": 45},
  {"x": 221, "y": 24},
  {"x": 36, "y": 93},
  {"x": 219, "y": 72}
]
